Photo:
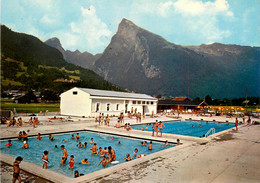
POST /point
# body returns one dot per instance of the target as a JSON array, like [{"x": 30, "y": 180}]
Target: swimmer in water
[
  {"x": 91, "y": 141},
  {"x": 127, "y": 158},
  {"x": 77, "y": 137},
  {"x": 150, "y": 147},
  {"x": 45, "y": 159},
  {"x": 71, "y": 162},
  {"x": 94, "y": 149},
  {"x": 72, "y": 136},
  {"x": 80, "y": 145},
  {"x": 103, "y": 161}
]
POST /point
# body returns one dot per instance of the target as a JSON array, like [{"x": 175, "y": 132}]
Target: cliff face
[{"x": 142, "y": 61}]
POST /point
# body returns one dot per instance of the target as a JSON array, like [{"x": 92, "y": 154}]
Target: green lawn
[{"x": 30, "y": 108}]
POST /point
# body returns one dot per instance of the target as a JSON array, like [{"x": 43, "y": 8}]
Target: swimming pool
[
  {"x": 36, "y": 148},
  {"x": 185, "y": 127}
]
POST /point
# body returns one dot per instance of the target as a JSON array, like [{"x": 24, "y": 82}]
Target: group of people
[
  {"x": 103, "y": 119},
  {"x": 157, "y": 127},
  {"x": 19, "y": 122}
]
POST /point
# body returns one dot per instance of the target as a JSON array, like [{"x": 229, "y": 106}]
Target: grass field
[{"x": 30, "y": 108}]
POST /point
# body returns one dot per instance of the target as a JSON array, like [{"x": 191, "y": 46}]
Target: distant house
[
  {"x": 182, "y": 105},
  {"x": 91, "y": 102},
  {"x": 181, "y": 99}
]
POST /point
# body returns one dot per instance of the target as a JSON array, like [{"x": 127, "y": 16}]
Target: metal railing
[{"x": 210, "y": 130}]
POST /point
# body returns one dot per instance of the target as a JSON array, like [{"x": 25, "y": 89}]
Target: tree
[
  {"x": 197, "y": 99},
  {"x": 208, "y": 100}
]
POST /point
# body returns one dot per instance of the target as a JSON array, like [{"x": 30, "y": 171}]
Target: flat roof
[{"x": 116, "y": 94}]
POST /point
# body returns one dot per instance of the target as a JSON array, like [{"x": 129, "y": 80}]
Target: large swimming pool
[
  {"x": 189, "y": 128},
  {"x": 36, "y": 149}
]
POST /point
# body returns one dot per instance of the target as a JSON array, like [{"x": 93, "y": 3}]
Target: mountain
[
  {"x": 28, "y": 63},
  {"x": 145, "y": 62},
  {"x": 85, "y": 59},
  {"x": 55, "y": 43}
]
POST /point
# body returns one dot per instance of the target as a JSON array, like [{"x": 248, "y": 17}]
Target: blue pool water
[
  {"x": 185, "y": 127},
  {"x": 36, "y": 148}
]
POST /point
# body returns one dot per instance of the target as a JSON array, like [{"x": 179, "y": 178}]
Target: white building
[{"x": 90, "y": 102}]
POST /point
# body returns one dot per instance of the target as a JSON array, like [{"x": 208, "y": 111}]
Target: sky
[{"x": 88, "y": 25}]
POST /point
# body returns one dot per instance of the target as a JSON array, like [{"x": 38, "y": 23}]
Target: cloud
[
  {"x": 198, "y": 8},
  {"x": 88, "y": 33},
  {"x": 47, "y": 20}
]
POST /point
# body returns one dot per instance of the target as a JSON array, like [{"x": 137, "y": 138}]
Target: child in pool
[
  {"x": 76, "y": 174},
  {"x": 72, "y": 137},
  {"x": 51, "y": 137},
  {"x": 26, "y": 145},
  {"x": 103, "y": 161},
  {"x": 77, "y": 137},
  {"x": 118, "y": 142},
  {"x": 39, "y": 136},
  {"x": 94, "y": 149},
  {"x": 108, "y": 160},
  {"x": 166, "y": 143},
  {"x": 71, "y": 162},
  {"x": 150, "y": 147},
  {"x": 80, "y": 145},
  {"x": 105, "y": 151},
  {"x": 85, "y": 144},
  {"x": 45, "y": 159},
  {"x": 9, "y": 144},
  {"x": 135, "y": 154},
  {"x": 100, "y": 151},
  {"x": 127, "y": 158},
  {"x": 85, "y": 161},
  {"x": 91, "y": 141},
  {"x": 144, "y": 143}
]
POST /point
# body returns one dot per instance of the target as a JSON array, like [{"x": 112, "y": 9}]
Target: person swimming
[
  {"x": 166, "y": 143},
  {"x": 39, "y": 136},
  {"x": 150, "y": 147},
  {"x": 103, "y": 161},
  {"x": 94, "y": 149},
  {"x": 91, "y": 141},
  {"x": 85, "y": 145},
  {"x": 25, "y": 145},
  {"x": 77, "y": 137},
  {"x": 72, "y": 136},
  {"x": 45, "y": 159},
  {"x": 71, "y": 162},
  {"x": 80, "y": 145},
  {"x": 144, "y": 143},
  {"x": 51, "y": 137},
  {"x": 135, "y": 154},
  {"x": 85, "y": 161},
  {"x": 128, "y": 157}
]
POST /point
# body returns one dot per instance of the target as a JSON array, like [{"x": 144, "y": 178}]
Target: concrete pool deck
[{"x": 230, "y": 157}]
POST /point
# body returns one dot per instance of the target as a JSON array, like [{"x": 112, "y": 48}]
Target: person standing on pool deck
[
  {"x": 178, "y": 142},
  {"x": 64, "y": 155},
  {"x": 112, "y": 154},
  {"x": 161, "y": 127},
  {"x": 156, "y": 127},
  {"x": 153, "y": 127},
  {"x": 236, "y": 124},
  {"x": 16, "y": 175}
]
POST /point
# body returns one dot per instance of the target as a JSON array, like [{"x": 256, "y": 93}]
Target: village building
[
  {"x": 90, "y": 102},
  {"x": 179, "y": 103}
]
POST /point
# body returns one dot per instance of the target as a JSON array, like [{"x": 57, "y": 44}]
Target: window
[
  {"x": 151, "y": 103},
  {"x": 147, "y": 102},
  {"x": 97, "y": 107},
  {"x": 143, "y": 102},
  {"x": 134, "y": 102},
  {"x": 108, "y": 107},
  {"x": 139, "y": 102},
  {"x": 75, "y": 93},
  {"x": 117, "y": 107}
]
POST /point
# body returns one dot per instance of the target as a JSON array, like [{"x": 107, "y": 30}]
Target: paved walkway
[{"x": 232, "y": 157}]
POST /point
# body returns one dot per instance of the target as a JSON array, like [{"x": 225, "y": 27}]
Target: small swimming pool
[
  {"x": 36, "y": 148},
  {"x": 188, "y": 128}
]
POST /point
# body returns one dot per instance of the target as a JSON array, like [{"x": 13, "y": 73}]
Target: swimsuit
[
  {"x": 71, "y": 165},
  {"x": 16, "y": 175}
]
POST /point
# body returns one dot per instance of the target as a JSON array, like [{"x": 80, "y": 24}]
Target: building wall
[
  {"x": 75, "y": 104},
  {"x": 82, "y": 104}
]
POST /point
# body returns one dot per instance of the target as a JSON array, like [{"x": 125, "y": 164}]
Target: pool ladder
[{"x": 210, "y": 130}]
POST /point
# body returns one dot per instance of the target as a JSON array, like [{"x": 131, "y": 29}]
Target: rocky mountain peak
[{"x": 55, "y": 43}]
